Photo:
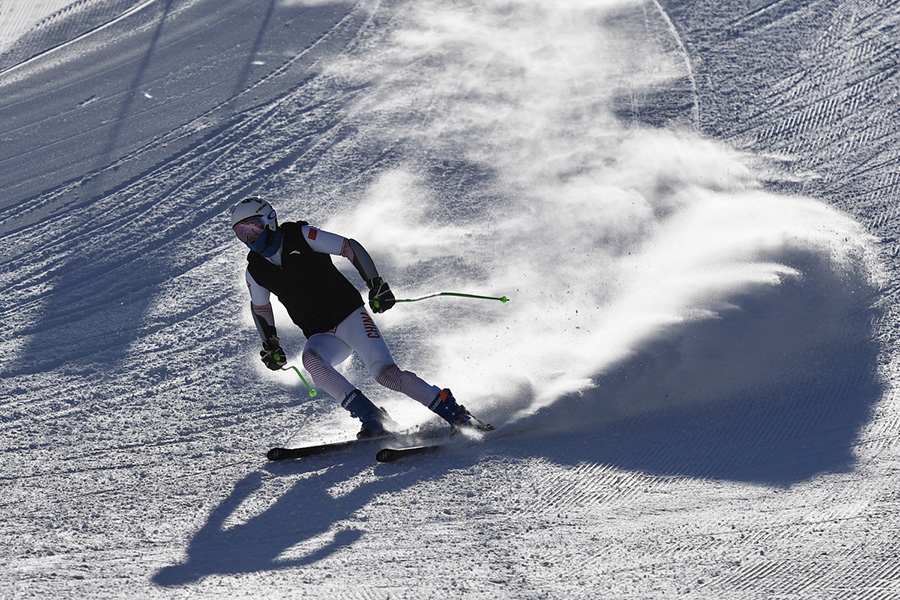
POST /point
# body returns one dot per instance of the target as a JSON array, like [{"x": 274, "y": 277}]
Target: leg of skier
[
  {"x": 322, "y": 352},
  {"x": 361, "y": 333}
]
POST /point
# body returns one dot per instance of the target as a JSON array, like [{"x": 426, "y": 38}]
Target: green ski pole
[
  {"x": 312, "y": 392},
  {"x": 502, "y": 299}
]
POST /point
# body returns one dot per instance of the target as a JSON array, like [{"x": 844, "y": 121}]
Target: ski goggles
[{"x": 249, "y": 230}]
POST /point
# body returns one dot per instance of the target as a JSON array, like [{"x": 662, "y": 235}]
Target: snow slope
[{"x": 692, "y": 207}]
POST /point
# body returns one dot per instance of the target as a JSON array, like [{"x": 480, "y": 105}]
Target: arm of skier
[
  {"x": 272, "y": 354},
  {"x": 380, "y": 296}
]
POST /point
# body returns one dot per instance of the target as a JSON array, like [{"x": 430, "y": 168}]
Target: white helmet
[
  {"x": 254, "y": 207},
  {"x": 253, "y": 222}
]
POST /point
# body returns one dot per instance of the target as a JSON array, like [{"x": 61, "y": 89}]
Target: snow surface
[{"x": 692, "y": 205}]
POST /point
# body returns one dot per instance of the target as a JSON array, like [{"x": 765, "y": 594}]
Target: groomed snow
[{"x": 693, "y": 208}]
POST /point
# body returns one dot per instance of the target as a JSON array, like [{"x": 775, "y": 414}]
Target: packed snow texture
[{"x": 692, "y": 208}]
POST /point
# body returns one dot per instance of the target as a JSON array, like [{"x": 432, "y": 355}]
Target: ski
[
  {"x": 414, "y": 436},
  {"x": 278, "y": 454},
  {"x": 391, "y": 454},
  {"x": 386, "y": 455}
]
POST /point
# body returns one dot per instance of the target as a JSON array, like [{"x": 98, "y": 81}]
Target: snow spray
[{"x": 524, "y": 163}]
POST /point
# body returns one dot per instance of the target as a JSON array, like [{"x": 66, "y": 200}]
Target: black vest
[{"x": 316, "y": 295}]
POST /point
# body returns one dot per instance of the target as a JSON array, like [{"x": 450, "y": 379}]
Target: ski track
[{"x": 133, "y": 430}]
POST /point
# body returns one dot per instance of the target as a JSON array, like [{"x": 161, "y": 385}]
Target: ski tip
[{"x": 275, "y": 453}]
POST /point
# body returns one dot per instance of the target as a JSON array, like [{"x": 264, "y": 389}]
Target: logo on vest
[{"x": 370, "y": 326}]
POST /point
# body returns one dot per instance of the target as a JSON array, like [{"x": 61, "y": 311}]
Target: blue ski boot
[
  {"x": 375, "y": 420},
  {"x": 446, "y": 407}
]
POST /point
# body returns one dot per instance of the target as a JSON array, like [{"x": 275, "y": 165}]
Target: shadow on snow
[
  {"x": 677, "y": 407},
  {"x": 305, "y": 512}
]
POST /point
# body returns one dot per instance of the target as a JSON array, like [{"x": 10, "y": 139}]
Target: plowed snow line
[
  {"x": 759, "y": 12},
  {"x": 84, "y": 35},
  {"x": 887, "y": 185},
  {"x": 834, "y": 106},
  {"x": 24, "y": 16},
  {"x": 783, "y": 576},
  {"x": 591, "y": 484},
  {"x": 828, "y": 108}
]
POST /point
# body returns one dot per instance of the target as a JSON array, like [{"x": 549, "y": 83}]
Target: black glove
[
  {"x": 272, "y": 354},
  {"x": 381, "y": 297}
]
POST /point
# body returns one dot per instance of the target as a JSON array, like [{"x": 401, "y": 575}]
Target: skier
[{"x": 292, "y": 261}]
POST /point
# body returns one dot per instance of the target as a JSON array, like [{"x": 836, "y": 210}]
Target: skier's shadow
[{"x": 306, "y": 511}]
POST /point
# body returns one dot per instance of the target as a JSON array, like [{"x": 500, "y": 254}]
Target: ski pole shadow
[
  {"x": 120, "y": 121},
  {"x": 290, "y": 532}
]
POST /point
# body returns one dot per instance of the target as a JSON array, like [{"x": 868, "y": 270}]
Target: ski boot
[
  {"x": 375, "y": 420},
  {"x": 446, "y": 407}
]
